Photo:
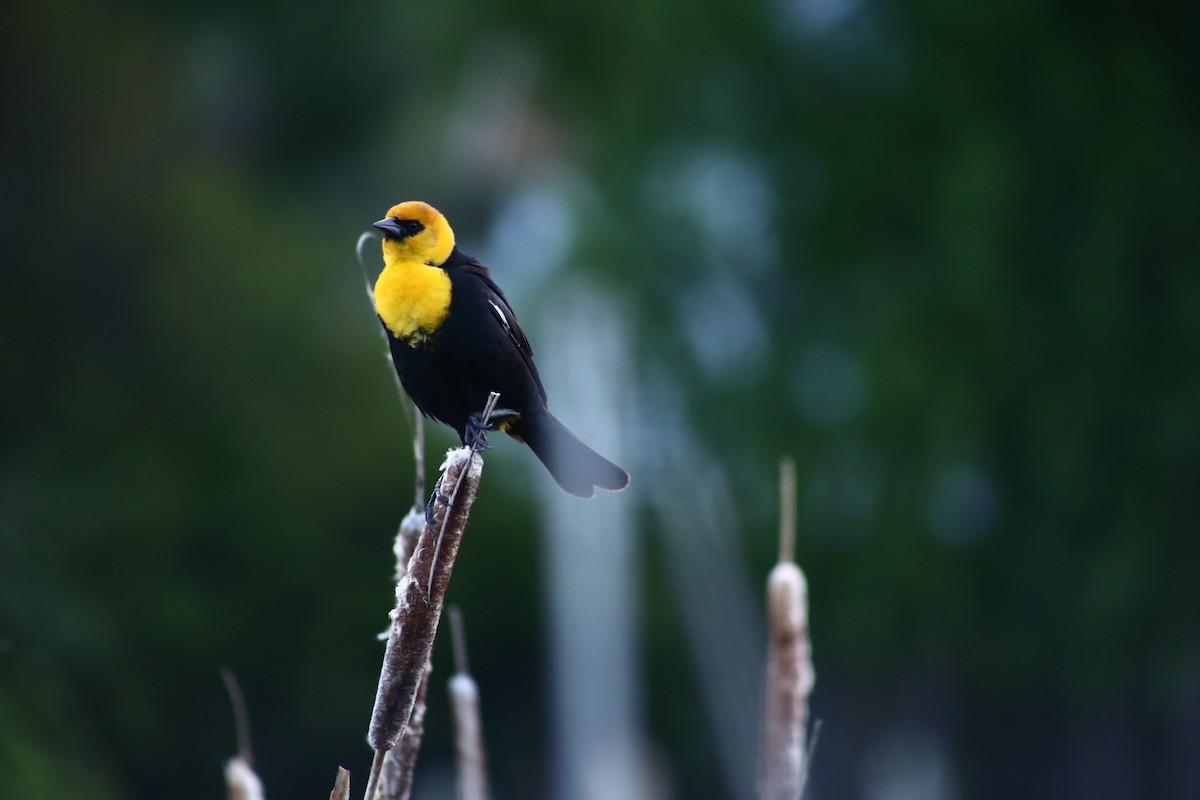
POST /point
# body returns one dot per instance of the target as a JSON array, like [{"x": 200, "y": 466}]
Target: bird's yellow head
[{"x": 416, "y": 231}]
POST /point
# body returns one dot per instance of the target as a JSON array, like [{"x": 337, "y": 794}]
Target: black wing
[{"x": 504, "y": 314}]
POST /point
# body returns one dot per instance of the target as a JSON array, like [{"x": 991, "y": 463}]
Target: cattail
[
  {"x": 419, "y": 598},
  {"x": 399, "y": 764},
  {"x": 790, "y": 674},
  {"x": 241, "y": 782},
  {"x": 468, "y": 728},
  {"x": 341, "y": 785},
  {"x": 406, "y": 540}
]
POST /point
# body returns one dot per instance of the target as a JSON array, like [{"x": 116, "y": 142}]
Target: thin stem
[
  {"x": 458, "y": 639},
  {"x": 787, "y": 509},
  {"x": 363, "y": 238},
  {"x": 373, "y": 778},
  {"x": 241, "y": 719},
  {"x": 419, "y": 455}
]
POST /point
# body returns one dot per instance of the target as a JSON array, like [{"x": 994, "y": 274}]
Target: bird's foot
[
  {"x": 475, "y": 436},
  {"x": 434, "y": 499}
]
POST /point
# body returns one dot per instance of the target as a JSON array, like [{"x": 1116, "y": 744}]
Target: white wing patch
[{"x": 499, "y": 312}]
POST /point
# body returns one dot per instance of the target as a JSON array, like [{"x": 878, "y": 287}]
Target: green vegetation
[{"x": 946, "y": 255}]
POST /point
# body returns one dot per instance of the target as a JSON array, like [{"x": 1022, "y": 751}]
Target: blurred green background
[{"x": 944, "y": 254}]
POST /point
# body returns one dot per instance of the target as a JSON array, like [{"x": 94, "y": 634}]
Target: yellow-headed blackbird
[{"x": 454, "y": 339}]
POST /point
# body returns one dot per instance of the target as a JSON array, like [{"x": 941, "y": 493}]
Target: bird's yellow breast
[{"x": 412, "y": 298}]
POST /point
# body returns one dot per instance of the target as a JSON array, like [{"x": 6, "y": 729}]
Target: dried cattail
[
  {"x": 468, "y": 728},
  {"x": 406, "y": 539},
  {"x": 400, "y": 763},
  {"x": 341, "y": 785},
  {"x": 419, "y": 598},
  {"x": 790, "y": 674},
  {"x": 241, "y": 782}
]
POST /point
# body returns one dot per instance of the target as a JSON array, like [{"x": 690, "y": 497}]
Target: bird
[{"x": 454, "y": 339}]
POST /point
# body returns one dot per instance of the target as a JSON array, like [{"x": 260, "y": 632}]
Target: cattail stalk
[
  {"x": 399, "y": 763},
  {"x": 418, "y": 459},
  {"x": 241, "y": 782},
  {"x": 790, "y": 675},
  {"x": 468, "y": 727},
  {"x": 419, "y": 598},
  {"x": 341, "y": 785}
]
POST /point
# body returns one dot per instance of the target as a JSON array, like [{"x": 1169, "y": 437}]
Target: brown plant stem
[
  {"x": 399, "y": 764},
  {"x": 341, "y": 785},
  {"x": 420, "y": 595}
]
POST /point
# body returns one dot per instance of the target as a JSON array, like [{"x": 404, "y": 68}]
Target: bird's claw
[
  {"x": 434, "y": 499},
  {"x": 475, "y": 435}
]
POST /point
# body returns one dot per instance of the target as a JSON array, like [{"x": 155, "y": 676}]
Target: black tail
[{"x": 577, "y": 468}]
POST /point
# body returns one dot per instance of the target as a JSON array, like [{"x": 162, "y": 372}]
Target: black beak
[{"x": 391, "y": 228}]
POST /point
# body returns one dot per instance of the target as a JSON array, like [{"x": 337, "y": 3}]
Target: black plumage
[{"x": 479, "y": 348}]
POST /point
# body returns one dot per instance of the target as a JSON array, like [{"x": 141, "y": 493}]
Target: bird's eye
[{"x": 411, "y": 227}]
